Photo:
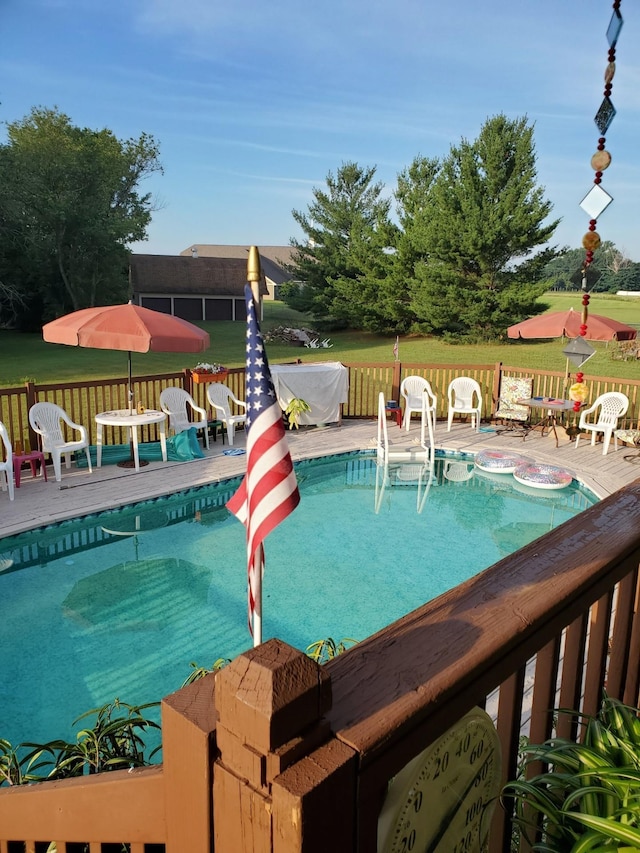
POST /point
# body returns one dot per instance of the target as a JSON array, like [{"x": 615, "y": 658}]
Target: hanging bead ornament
[{"x": 598, "y": 199}]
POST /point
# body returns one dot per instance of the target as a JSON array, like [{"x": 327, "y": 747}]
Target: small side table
[
  {"x": 34, "y": 457},
  {"x": 396, "y": 411},
  {"x": 213, "y": 426}
]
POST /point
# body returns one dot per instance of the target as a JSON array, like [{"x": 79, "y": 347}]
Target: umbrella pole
[
  {"x": 131, "y": 462},
  {"x": 130, "y": 387}
]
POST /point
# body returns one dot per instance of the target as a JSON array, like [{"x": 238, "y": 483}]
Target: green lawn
[{"x": 27, "y": 356}]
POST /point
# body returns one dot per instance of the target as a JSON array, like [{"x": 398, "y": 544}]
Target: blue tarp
[{"x": 180, "y": 448}]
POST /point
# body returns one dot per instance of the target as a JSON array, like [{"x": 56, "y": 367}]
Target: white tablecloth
[{"x": 323, "y": 386}]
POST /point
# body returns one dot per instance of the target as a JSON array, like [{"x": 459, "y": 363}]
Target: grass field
[{"x": 26, "y": 357}]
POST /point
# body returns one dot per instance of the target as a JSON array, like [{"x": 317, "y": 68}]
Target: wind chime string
[{"x": 597, "y": 199}]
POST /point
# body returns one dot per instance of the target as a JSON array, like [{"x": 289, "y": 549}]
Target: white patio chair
[
  {"x": 412, "y": 389},
  {"x": 52, "y": 424},
  {"x": 6, "y": 467},
  {"x": 610, "y": 407},
  {"x": 221, "y": 398},
  {"x": 465, "y": 398},
  {"x": 183, "y": 412}
]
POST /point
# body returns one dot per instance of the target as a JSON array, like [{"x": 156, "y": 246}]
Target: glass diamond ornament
[
  {"x": 578, "y": 351},
  {"x": 605, "y": 115},
  {"x": 613, "y": 30},
  {"x": 596, "y": 201},
  {"x": 585, "y": 278}
]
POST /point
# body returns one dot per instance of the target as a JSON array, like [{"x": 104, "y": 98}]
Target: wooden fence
[{"x": 83, "y": 400}]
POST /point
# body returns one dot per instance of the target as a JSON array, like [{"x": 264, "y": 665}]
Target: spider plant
[
  {"x": 198, "y": 672},
  {"x": 296, "y": 407},
  {"x": 323, "y": 650},
  {"x": 113, "y": 742},
  {"x": 587, "y": 799}
]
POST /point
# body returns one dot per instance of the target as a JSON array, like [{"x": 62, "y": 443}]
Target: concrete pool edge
[{"x": 38, "y": 504}]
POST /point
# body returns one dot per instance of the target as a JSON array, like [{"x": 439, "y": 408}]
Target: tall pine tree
[
  {"x": 484, "y": 217},
  {"x": 338, "y": 268}
]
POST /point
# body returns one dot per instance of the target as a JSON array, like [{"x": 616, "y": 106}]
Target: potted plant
[
  {"x": 205, "y": 372},
  {"x": 296, "y": 407},
  {"x": 586, "y": 797}
]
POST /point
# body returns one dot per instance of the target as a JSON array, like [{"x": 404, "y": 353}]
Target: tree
[
  {"x": 70, "y": 206},
  {"x": 484, "y": 216},
  {"x": 611, "y": 270},
  {"x": 412, "y": 197},
  {"x": 338, "y": 268}
]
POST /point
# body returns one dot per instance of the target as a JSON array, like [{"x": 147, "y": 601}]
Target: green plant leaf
[{"x": 609, "y": 828}]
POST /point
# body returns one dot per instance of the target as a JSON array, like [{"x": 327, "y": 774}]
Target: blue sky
[{"x": 253, "y": 103}]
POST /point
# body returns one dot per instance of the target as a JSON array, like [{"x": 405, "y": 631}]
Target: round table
[
  {"x": 131, "y": 421},
  {"x": 552, "y": 406}
]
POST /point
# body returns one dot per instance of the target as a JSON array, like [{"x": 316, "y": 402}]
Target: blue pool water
[{"x": 118, "y": 604}]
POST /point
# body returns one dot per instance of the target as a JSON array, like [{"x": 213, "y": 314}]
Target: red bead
[
  {"x": 592, "y": 221},
  {"x": 576, "y": 406},
  {"x": 585, "y": 299},
  {"x": 592, "y": 228},
  {"x": 602, "y": 139},
  {"x": 597, "y": 180}
]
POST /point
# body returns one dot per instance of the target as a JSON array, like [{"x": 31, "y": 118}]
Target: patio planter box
[{"x": 209, "y": 377}]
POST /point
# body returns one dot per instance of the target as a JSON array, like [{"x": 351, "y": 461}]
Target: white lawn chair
[
  {"x": 6, "y": 467},
  {"x": 610, "y": 407},
  {"x": 51, "y": 422},
  {"x": 183, "y": 412},
  {"x": 221, "y": 398},
  {"x": 465, "y": 398},
  {"x": 412, "y": 388}
]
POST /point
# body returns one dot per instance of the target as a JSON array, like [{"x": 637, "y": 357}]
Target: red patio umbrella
[
  {"x": 126, "y": 327},
  {"x": 567, "y": 324}
]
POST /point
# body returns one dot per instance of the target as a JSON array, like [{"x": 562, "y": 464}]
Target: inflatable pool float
[
  {"x": 499, "y": 461},
  {"x": 542, "y": 476}
]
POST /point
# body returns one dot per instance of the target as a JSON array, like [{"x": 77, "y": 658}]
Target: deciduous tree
[{"x": 70, "y": 204}]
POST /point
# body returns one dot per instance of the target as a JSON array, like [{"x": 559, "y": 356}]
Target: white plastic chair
[
  {"x": 412, "y": 389},
  {"x": 6, "y": 467},
  {"x": 465, "y": 398},
  {"x": 49, "y": 420},
  {"x": 183, "y": 412},
  {"x": 220, "y": 397},
  {"x": 612, "y": 406}
]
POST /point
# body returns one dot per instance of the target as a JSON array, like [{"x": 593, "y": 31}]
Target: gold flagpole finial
[{"x": 254, "y": 273}]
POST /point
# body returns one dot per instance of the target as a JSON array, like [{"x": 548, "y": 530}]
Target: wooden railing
[
  {"x": 83, "y": 400},
  {"x": 300, "y": 756}
]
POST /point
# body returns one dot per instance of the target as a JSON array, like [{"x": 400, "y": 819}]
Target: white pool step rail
[{"x": 418, "y": 451}]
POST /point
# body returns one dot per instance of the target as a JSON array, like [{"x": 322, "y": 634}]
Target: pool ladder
[{"x": 422, "y": 451}]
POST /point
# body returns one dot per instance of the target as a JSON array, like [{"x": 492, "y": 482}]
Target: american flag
[{"x": 269, "y": 490}]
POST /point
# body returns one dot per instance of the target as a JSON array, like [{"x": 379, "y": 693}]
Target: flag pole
[
  {"x": 257, "y": 611},
  {"x": 254, "y": 274}
]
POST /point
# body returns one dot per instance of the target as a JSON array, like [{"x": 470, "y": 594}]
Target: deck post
[{"x": 269, "y": 795}]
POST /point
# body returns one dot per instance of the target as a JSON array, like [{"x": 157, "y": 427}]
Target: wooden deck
[{"x": 38, "y": 503}]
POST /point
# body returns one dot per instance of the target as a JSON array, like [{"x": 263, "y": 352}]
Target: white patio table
[{"x": 131, "y": 421}]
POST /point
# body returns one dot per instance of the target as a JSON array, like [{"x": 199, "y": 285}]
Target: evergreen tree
[
  {"x": 337, "y": 270},
  {"x": 484, "y": 218},
  {"x": 412, "y": 197}
]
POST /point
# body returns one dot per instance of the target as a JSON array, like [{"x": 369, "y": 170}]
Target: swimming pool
[{"x": 118, "y": 604}]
